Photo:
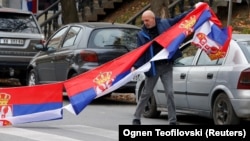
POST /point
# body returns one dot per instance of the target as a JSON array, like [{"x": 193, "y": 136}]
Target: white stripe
[
  {"x": 93, "y": 131},
  {"x": 40, "y": 136},
  {"x": 163, "y": 54},
  {"x": 34, "y": 135},
  {"x": 206, "y": 29},
  {"x": 40, "y": 116}
]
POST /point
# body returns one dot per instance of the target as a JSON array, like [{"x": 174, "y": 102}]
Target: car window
[
  {"x": 114, "y": 38},
  {"x": 245, "y": 46},
  {"x": 55, "y": 40},
  {"x": 205, "y": 60},
  {"x": 220, "y": 61},
  {"x": 17, "y": 22},
  {"x": 188, "y": 53},
  {"x": 71, "y": 36}
]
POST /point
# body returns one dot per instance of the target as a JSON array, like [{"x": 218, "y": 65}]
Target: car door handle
[
  {"x": 183, "y": 76},
  {"x": 210, "y": 75}
]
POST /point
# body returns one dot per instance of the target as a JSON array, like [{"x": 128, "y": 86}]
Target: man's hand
[
  {"x": 198, "y": 4},
  {"x": 133, "y": 69}
]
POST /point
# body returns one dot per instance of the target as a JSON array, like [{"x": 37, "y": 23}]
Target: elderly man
[{"x": 152, "y": 27}]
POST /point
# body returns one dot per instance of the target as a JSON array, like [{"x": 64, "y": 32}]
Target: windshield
[
  {"x": 114, "y": 37},
  {"x": 16, "y": 22},
  {"x": 245, "y": 46}
]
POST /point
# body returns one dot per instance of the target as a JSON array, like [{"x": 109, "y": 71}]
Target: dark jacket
[{"x": 143, "y": 37}]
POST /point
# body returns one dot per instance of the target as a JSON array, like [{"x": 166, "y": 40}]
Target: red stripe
[
  {"x": 34, "y": 6},
  {"x": 33, "y": 94},
  {"x": 229, "y": 34},
  {"x": 184, "y": 26}
]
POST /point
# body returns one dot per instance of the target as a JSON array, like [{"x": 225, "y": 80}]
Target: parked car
[
  {"x": 79, "y": 47},
  {"x": 216, "y": 89},
  {"x": 19, "y": 31}
]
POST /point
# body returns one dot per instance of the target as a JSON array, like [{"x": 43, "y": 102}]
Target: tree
[
  {"x": 160, "y": 8},
  {"x": 69, "y": 11}
]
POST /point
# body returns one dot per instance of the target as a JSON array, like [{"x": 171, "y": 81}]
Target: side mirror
[{"x": 39, "y": 47}]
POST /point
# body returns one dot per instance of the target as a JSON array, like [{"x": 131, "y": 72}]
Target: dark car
[
  {"x": 76, "y": 48},
  {"x": 19, "y": 31}
]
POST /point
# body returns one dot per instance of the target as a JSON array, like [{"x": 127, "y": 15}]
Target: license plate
[
  {"x": 136, "y": 78},
  {"x": 12, "y": 41}
]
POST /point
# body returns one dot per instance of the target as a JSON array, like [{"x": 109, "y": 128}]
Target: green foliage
[{"x": 245, "y": 31}]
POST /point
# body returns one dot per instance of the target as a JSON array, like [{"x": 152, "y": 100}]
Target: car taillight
[
  {"x": 244, "y": 80},
  {"x": 89, "y": 56}
]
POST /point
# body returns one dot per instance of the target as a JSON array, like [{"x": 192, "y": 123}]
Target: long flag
[
  {"x": 30, "y": 104},
  {"x": 44, "y": 102},
  {"x": 112, "y": 75},
  {"x": 102, "y": 80}
]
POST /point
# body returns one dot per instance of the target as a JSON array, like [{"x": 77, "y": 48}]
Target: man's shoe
[
  {"x": 136, "y": 122},
  {"x": 173, "y": 123}
]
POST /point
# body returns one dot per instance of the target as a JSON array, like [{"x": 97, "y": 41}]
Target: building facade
[{"x": 32, "y": 5}]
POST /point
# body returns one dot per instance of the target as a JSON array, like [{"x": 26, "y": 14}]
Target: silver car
[{"x": 218, "y": 89}]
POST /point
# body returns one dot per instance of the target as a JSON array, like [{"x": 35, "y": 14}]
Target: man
[{"x": 152, "y": 27}]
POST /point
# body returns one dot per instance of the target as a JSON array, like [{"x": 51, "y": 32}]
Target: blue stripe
[
  {"x": 82, "y": 99},
  {"x": 218, "y": 35},
  {"x": 203, "y": 18},
  {"x": 34, "y": 108},
  {"x": 121, "y": 76},
  {"x": 175, "y": 44},
  {"x": 153, "y": 69}
]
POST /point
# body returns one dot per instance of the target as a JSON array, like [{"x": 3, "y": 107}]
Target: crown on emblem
[
  {"x": 102, "y": 78},
  {"x": 189, "y": 23},
  {"x": 4, "y": 98}
]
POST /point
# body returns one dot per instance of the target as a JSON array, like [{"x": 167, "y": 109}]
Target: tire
[
  {"x": 23, "y": 82},
  {"x": 32, "y": 78},
  {"x": 23, "y": 78},
  {"x": 150, "y": 110},
  {"x": 223, "y": 112},
  {"x": 72, "y": 75}
]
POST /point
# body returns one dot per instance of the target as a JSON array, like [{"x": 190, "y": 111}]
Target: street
[{"x": 98, "y": 121}]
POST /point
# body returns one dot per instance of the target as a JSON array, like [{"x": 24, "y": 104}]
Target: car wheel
[
  {"x": 150, "y": 110},
  {"x": 223, "y": 112},
  {"x": 72, "y": 75},
  {"x": 22, "y": 81},
  {"x": 22, "y": 78},
  {"x": 32, "y": 78}
]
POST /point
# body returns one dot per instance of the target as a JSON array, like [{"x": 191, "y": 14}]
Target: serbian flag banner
[
  {"x": 181, "y": 30},
  {"x": 30, "y": 104},
  {"x": 30, "y": 5},
  {"x": 102, "y": 80},
  {"x": 211, "y": 37},
  {"x": 86, "y": 87},
  {"x": 213, "y": 40}
]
